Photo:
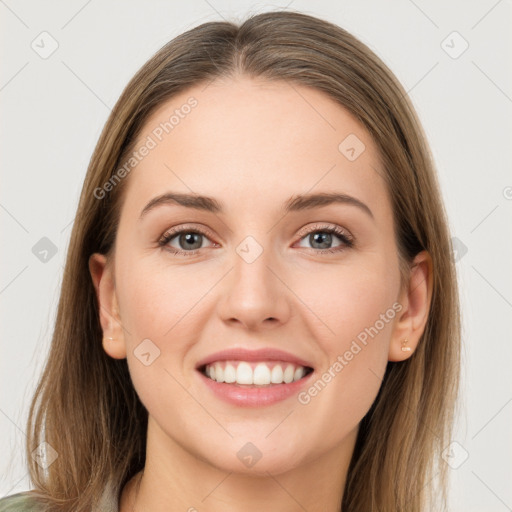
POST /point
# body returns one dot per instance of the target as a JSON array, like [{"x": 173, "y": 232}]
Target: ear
[
  {"x": 102, "y": 276},
  {"x": 415, "y": 299}
]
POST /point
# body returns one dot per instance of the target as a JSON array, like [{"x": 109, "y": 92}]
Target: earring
[
  {"x": 111, "y": 339},
  {"x": 404, "y": 348}
]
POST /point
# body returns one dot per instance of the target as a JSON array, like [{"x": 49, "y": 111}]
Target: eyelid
[
  {"x": 184, "y": 228},
  {"x": 319, "y": 226},
  {"x": 301, "y": 233}
]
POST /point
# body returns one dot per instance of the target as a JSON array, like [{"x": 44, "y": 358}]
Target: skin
[{"x": 251, "y": 145}]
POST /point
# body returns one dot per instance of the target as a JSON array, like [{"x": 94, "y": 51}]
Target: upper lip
[{"x": 262, "y": 354}]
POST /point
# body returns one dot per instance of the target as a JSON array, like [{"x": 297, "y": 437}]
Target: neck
[{"x": 174, "y": 479}]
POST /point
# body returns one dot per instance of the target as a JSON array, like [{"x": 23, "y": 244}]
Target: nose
[{"x": 254, "y": 294}]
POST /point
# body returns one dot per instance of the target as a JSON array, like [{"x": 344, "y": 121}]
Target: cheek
[
  {"x": 357, "y": 317},
  {"x": 345, "y": 302},
  {"x": 163, "y": 307},
  {"x": 154, "y": 300},
  {"x": 157, "y": 306}
]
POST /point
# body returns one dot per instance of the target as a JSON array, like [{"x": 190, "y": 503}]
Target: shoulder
[
  {"x": 19, "y": 502},
  {"x": 26, "y": 501}
]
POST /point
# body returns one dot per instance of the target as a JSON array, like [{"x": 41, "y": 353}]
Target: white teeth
[
  {"x": 288, "y": 374},
  {"x": 299, "y": 373},
  {"x": 261, "y": 374},
  {"x": 229, "y": 374},
  {"x": 243, "y": 373},
  {"x": 277, "y": 374},
  {"x": 219, "y": 373}
]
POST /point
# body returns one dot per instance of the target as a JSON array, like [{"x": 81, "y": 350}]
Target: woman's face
[{"x": 262, "y": 274}]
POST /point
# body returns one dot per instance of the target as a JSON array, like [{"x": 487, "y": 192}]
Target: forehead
[{"x": 239, "y": 139}]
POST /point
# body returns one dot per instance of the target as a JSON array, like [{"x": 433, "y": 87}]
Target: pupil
[
  {"x": 189, "y": 239},
  {"x": 322, "y": 237}
]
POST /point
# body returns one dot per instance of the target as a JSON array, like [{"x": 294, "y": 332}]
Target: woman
[{"x": 303, "y": 352}]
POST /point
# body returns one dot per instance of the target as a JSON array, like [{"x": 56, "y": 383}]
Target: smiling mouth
[{"x": 255, "y": 374}]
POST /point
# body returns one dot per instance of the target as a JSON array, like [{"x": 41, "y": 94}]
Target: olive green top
[
  {"x": 25, "y": 502},
  {"x": 20, "y": 502}
]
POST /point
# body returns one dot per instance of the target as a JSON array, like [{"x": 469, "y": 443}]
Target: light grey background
[{"x": 53, "y": 109}]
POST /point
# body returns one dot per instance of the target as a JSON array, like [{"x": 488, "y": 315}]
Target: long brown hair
[{"x": 85, "y": 405}]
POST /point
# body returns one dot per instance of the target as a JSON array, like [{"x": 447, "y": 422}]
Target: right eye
[{"x": 192, "y": 238}]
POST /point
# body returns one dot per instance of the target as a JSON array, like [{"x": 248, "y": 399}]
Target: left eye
[{"x": 324, "y": 237}]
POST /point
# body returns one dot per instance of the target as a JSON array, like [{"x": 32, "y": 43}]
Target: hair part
[{"x": 85, "y": 405}]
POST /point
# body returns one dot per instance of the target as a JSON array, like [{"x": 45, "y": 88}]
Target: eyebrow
[{"x": 300, "y": 202}]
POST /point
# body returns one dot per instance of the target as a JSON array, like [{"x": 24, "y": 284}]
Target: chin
[{"x": 255, "y": 457}]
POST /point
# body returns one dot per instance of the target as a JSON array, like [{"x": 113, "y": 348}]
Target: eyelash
[{"x": 347, "y": 239}]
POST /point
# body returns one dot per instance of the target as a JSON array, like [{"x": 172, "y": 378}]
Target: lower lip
[{"x": 243, "y": 396}]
